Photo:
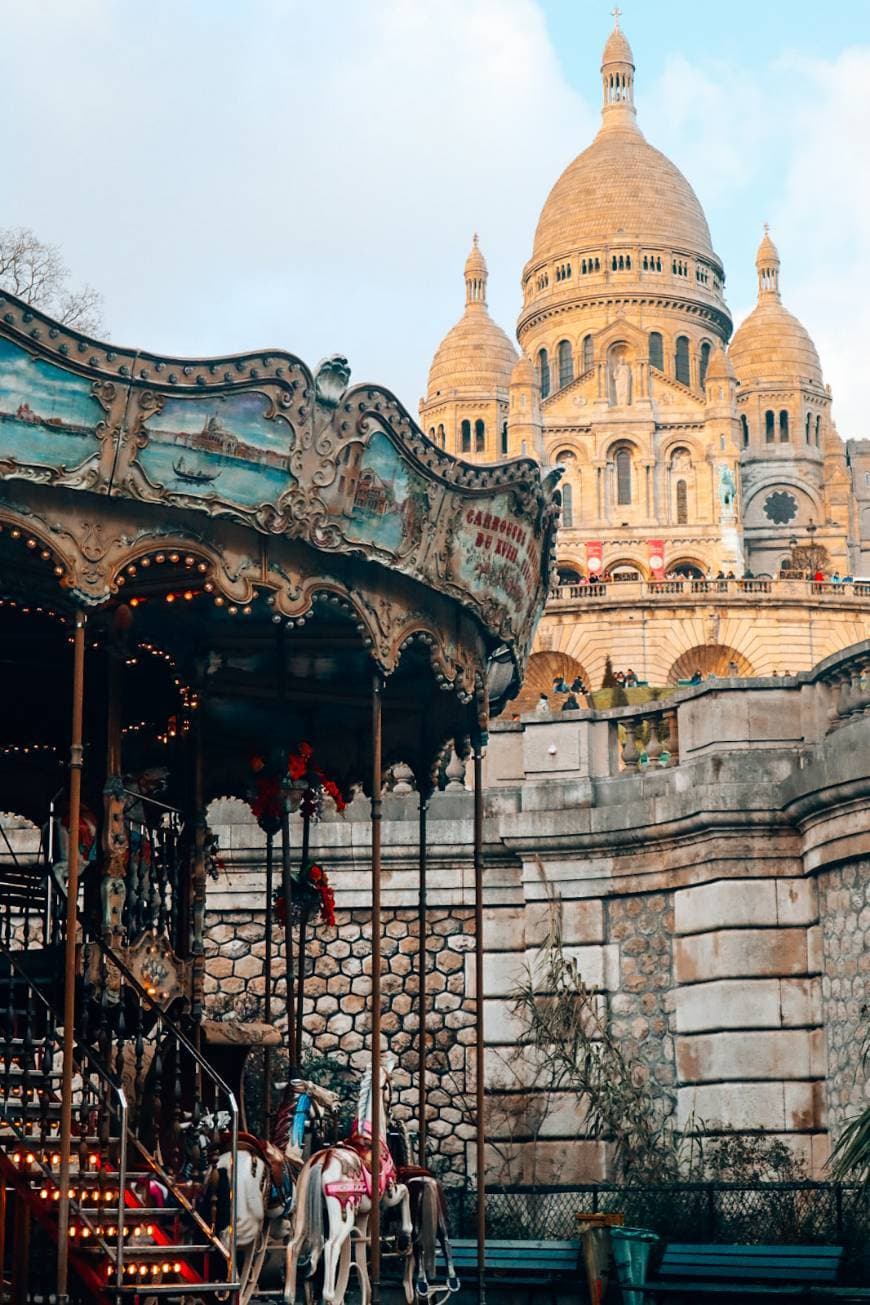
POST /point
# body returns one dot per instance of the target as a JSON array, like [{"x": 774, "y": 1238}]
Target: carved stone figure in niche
[
  {"x": 727, "y": 490},
  {"x": 620, "y": 382},
  {"x": 681, "y": 460}
]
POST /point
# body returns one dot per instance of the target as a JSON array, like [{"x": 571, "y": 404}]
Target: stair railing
[
  {"x": 177, "y": 1070},
  {"x": 98, "y": 1100}
]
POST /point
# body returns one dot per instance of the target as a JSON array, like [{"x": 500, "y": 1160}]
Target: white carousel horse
[
  {"x": 265, "y": 1177},
  {"x": 340, "y": 1179}
]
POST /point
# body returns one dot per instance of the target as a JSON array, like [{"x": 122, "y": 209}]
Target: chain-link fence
[{"x": 763, "y": 1213}]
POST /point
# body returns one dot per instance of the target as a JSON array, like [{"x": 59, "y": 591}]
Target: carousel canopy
[{"x": 271, "y": 534}]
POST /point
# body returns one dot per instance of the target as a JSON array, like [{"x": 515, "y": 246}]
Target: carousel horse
[
  {"x": 266, "y": 1175},
  {"x": 339, "y": 1178},
  {"x": 428, "y": 1220}
]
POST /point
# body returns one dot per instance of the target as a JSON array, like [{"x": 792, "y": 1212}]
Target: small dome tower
[
  {"x": 792, "y": 460},
  {"x": 465, "y": 410}
]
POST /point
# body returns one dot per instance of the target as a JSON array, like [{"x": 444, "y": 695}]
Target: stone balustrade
[{"x": 853, "y": 593}]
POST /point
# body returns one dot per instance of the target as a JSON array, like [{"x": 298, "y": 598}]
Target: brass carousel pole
[
  {"x": 478, "y": 1022},
  {"x": 421, "y": 980},
  {"x": 267, "y": 980},
  {"x": 303, "y": 922},
  {"x": 287, "y": 893},
  {"x": 287, "y": 874},
  {"x": 72, "y": 893},
  {"x": 377, "y": 767}
]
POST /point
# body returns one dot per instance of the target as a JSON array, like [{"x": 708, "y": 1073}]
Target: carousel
[{"x": 228, "y": 577}]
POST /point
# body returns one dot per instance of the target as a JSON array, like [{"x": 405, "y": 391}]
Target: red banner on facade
[
  {"x": 656, "y": 558},
  {"x": 593, "y": 558}
]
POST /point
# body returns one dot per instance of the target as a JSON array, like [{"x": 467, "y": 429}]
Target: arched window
[
  {"x": 818, "y": 430},
  {"x": 808, "y": 433},
  {"x": 783, "y": 426},
  {"x": 769, "y": 427},
  {"x": 656, "y": 350},
  {"x": 432, "y": 434},
  {"x": 566, "y": 363},
  {"x": 744, "y": 422},
  {"x": 682, "y": 503},
  {"x": 504, "y": 439},
  {"x": 703, "y": 362},
  {"x": 567, "y": 505},
  {"x": 466, "y": 436},
  {"x": 681, "y": 360},
  {"x": 479, "y": 436},
  {"x": 623, "y": 476},
  {"x": 442, "y": 438},
  {"x": 544, "y": 372},
  {"x": 587, "y": 352}
]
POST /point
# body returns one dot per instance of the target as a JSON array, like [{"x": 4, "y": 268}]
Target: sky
[{"x": 243, "y": 174}]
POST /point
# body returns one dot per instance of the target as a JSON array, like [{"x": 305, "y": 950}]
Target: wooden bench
[
  {"x": 795, "y": 1271},
  {"x": 525, "y": 1263}
]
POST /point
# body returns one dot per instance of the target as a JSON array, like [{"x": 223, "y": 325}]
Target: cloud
[
  {"x": 823, "y": 231},
  {"x": 784, "y": 143},
  {"x": 308, "y": 176},
  {"x": 287, "y": 174}
]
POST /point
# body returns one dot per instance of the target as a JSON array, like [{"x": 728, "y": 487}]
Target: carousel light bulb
[
  {"x": 189, "y": 561},
  {"x": 170, "y": 598},
  {"x": 160, "y": 558},
  {"x": 188, "y": 594},
  {"x": 31, "y": 543},
  {"x": 173, "y": 557},
  {"x": 146, "y": 561},
  {"x": 45, "y": 555},
  {"x": 202, "y": 568}
]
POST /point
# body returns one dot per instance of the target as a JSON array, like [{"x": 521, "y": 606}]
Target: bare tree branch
[{"x": 34, "y": 271}]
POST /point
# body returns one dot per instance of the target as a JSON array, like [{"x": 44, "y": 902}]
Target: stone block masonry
[{"x": 718, "y": 909}]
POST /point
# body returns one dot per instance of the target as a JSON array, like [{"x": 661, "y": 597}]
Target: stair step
[
  {"x": 175, "y": 1288},
  {"x": 145, "y": 1250}
]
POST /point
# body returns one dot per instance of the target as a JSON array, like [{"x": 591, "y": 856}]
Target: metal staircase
[{"x": 135, "y": 1231}]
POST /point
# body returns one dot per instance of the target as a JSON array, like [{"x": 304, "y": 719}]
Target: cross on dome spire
[{"x": 616, "y": 13}]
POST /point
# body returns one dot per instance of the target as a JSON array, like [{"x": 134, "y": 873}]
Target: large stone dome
[
  {"x": 621, "y": 188},
  {"x": 621, "y": 227},
  {"x": 476, "y": 356},
  {"x": 771, "y": 345}
]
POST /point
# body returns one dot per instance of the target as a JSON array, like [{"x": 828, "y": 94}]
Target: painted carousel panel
[
  {"x": 48, "y": 416},
  {"x": 496, "y": 555},
  {"x": 225, "y": 446},
  {"x": 378, "y": 497}
]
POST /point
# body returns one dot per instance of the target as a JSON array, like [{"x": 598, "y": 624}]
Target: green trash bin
[{"x": 631, "y": 1248}]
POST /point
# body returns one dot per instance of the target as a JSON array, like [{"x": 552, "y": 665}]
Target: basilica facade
[{"x": 689, "y": 449}]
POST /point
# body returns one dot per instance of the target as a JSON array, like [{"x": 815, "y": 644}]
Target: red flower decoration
[
  {"x": 280, "y": 909},
  {"x": 267, "y": 800},
  {"x": 331, "y": 787},
  {"x": 327, "y": 898}
]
